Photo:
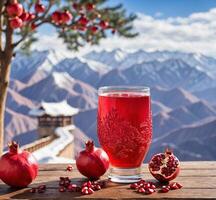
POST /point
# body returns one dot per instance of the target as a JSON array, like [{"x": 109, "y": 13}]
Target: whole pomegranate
[
  {"x": 18, "y": 168},
  {"x": 16, "y": 23},
  {"x": 14, "y": 9},
  {"x": 92, "y": 162},
  {"x": 164, "y": 166}
]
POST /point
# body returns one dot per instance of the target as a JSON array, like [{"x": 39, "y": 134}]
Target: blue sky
[
  {"x": 170, "y": 8},
  {"x": 174, "y": 25}
]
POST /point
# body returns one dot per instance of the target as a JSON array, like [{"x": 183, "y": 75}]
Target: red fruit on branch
[
  {"x": 75, "y": 6},
  {"x": 93, "y": 29},
  {"x": 18, "y": 168},
  {"x": 31, "y": 16},
  {"x": 33, "y": 26},
  {"x": 104, "y": 24},
  {"x": 39, "y": 8},
  {"x": 164, "y": 166},
  {"x": 24, "y": 16},
  {"x": 14, "y": 9},
  {"x": 16, "y": 23},
  {"x": 56, "y": 17},
  {"x": 92, "y": 162},
  {"x": 83, "y": 21},
  {"x": 90, "y": 6},
  {"x": 66, "y": 17}
]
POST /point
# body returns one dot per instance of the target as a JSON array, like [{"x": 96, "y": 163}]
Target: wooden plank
[
  {"x": 198, "y": 179},
  {"x": 184, "y": 165},
  {"x": 183, "y": 173}
]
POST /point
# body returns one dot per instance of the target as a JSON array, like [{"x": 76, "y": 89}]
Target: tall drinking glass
[{"x": 125, "y": 129}]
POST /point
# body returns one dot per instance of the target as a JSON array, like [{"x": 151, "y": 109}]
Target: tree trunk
[
  {"x": 3, "y": 94},
  {"x": 5, "y": 63}
]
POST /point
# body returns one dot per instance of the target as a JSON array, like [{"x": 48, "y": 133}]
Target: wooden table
[{"x": 198, "y": 180}]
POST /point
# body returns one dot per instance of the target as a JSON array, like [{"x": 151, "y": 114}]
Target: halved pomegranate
[{"x": 164, "y": 166}]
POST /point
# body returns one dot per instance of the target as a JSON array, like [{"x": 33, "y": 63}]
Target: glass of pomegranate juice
[{"x": 125, "y": 129}]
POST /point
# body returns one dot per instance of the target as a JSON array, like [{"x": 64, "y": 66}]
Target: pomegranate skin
[
  {"x": 161, "y": 178},
  {"x": 92, "y": 163},
  {"x": 18, "y": 169}
]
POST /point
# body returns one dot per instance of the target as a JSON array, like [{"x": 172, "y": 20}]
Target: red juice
[{"x": 125, "y": 127}]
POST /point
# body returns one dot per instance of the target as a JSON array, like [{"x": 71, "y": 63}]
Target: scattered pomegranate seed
[
  {"x": 153, "y": 186},
  {"x": 41, "y": 191},
  {"x": 61, "y": 183},
  {"x": 72, "y": 188},
  {"x": 32, "y": 190},
  {"x": 62, "y": 189},
  {"x": 164, "y": 189},
  {"x": 97, "y": 187},
  {"x": 134, "y": 185},
  {"x": 174, "y": 186},
  {"x": 141, "y": 190},
  {"x": 179, "y": 185},
  {"x": 90, "y": 191},
  {"x": 69, "y": 168},
  {"x": 149, "y": 191},
  {"x": 42, "y": 187}
]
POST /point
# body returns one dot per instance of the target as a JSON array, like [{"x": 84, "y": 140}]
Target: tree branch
[
  {"x": 43, "y": 19},
  {"x": 1, "y": 8}
]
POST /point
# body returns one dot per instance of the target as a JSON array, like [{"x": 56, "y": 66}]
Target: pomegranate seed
[
  {"x": 62, "y": 189},
  {"x": 173, "y": 186},
  {"x": 66, "y": 183},
  {"x": 147, "y": 186},
  {"x": 149, "y": 191},
  {"x": 141, "y": 181},
  {"x": 33, "y": 190},
  {"x": 179, "y": 185},
  {"x": 61, "y": 183},
  {"x": 97, "y": 187},
  {"x": 164, "y": 189},
  {"x": 141, "y": 190},
  {"x": 69, "y": 168},
  {"x": 72, "y": 187},
  {"x": 41, "y": 191},
  {"x": 153, "y": 186},
  {"x": 90, "y": 191},
  {"x": 85, "y": 184},
  {"x": 84, "y": 191},
  {"x": 42, "y": 187},
  {"x": 134, "y": 186}
]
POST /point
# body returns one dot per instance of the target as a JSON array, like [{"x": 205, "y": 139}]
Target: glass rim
[{"x": 123, "y": 88}]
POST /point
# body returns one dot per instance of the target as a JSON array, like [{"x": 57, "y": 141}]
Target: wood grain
[{"x": 198, "y": 180}]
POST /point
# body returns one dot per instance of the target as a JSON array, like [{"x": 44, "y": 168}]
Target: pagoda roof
[{"x": 54, "y": 109}]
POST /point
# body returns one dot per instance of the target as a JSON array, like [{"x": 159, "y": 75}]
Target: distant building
[
  {"x": 51, "y": 115},
  {"x": 55, "y": 129}
]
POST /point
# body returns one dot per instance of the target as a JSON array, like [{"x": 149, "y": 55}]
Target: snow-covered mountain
[
  {"x": 123, "y": 59},
  {"x": 59, "y": 86},
  {"x": 183, "y": 88},
  {"x": 168, "y": 74}
]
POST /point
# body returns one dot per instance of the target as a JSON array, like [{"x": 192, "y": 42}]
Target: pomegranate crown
[
  {"x": 168, "y": 151},
  {"x": 13, "y": 147},
  {"x": 89, "y": 145}
]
